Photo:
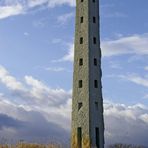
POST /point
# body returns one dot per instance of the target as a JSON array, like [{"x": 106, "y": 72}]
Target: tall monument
[{"x": 87, "y": 101}]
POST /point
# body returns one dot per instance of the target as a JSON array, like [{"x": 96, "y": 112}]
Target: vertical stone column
[{"x": 87, "y": 103}]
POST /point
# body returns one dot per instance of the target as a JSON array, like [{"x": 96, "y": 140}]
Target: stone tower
[{"x": 87, "y": 102}]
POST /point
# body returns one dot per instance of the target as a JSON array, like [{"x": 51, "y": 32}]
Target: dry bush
[
  {"x": 124, "y": 146},
  {"x": 26, "y": 145},
  {"x": 4, "y": 146}
]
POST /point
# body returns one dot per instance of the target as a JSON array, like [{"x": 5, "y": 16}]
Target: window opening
[
  {"x": 95, "y": 61},
  {"x": 97, "y": 138},
  {"x": 79, "y": 137},
  {"x": 81, "y": 19},
  {"x": 80, "y": 105},
  {"x": 81, "y": 40},
  {"x": 94, "y": 40},
  {"x": 96, "y": 84},
  {"x": 94, "y": 19},
  {"x": 80, "y": 84},
  {"x": 80, "y": 62}
]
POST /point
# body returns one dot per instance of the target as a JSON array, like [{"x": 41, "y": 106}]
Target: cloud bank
[
  {"x": 30, "y": 109},
  {"x": 134, "y": 44},
  {"x": 17, "y": 7},
  {"x": 6, "y": 11},
  {"x": 126, "y": 124}
]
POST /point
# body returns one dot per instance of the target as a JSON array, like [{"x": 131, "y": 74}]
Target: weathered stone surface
[{"x": 88, "y": 117}]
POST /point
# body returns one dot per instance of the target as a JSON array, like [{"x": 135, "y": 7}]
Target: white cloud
[
  {"x": 115, "y": 65},
  {"x": 19, "y": 123},
  {"x": 17, "y": 7},
  {"x": 33, "y": 94},
  {"x": 55, "y": 69},
  {"x": 114, "y": 15},
  {"x": 146, "y": 68},
  {"x": 134, "y": 44},
  {"x": 41, "y": 92},
  {"x": 40, "y": 23},
  {"x": 69, "y": 56},
  {"x": 26, "y": 33},
  {"x": 53, "y": 3},
  {"x": 131, "y": 45},
  {"x": 144, "y": 117},
  {"x": 57, "y": 41},
  {"x": 143, "y": 81},
  {"x": 126, "y": 124},
  {"x": 62, "y": 19},
  {"x": 6, "y": 11},
  {"x": 146, "y": 96},
  {"x": 9, "y": 80},
  {"x": 111, "y": 14},
  {"x": 123, "y": 123},
  {"x": 34, "y": 3},
  {"x": 135, "y": 78}
]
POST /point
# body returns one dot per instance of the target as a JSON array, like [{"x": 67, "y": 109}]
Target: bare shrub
[{"x": 124, "y": 146}]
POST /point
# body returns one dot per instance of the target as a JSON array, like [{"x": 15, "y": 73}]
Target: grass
[
  {"x": 125, "y": 146},
  {"x": 33, "y": 145},
  {"x": 26, "y": 145}
]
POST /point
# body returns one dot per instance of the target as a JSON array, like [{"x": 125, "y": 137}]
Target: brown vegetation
[
  {"x": 124, "y": 146},
  {"x": 25, "y": 145}
]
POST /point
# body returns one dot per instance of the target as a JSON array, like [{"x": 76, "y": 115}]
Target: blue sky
[{"x": 36, "y": 58}]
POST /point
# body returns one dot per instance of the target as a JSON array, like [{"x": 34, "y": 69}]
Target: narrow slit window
[
  {"x": 81, "y": 19},
  {"x": 82, "y": 0},
  {"x": 96, "y": 84},
  {"x": 79, "y": 137},
  {"x": 80, "y": 83},
  {"x": 94, "y": 1},
  {"x": 81, "y": 40},
  {"x": 94, "y": 40},
  {"x": 96, "y": 106},
  {"x": 94, "y": 19},
  {"x": 95, "y": 61},
  {"x": 80, "y": 104},
  {"x": 80, "y": 62},
  {"x": 97, "y": 138}
]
